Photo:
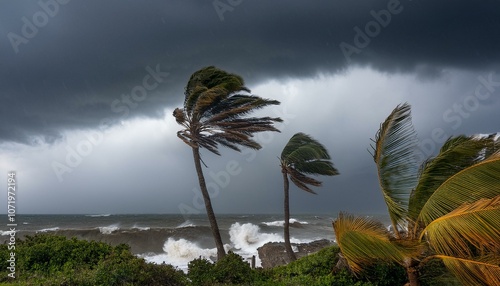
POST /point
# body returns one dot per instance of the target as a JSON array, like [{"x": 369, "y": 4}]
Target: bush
[
  {"x": 200, "y": 272},
  {"x": 232, "y": 269},
  {"x": 55, "y": 260}
]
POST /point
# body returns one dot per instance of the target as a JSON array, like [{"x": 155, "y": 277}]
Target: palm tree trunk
[
  {"x": 413, "y": 275},
  {"x": 208, "y": 205},
  {"x": 288, "y": 246}
]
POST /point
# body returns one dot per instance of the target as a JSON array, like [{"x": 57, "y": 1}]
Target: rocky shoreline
[{"x": 273, "y": 254}]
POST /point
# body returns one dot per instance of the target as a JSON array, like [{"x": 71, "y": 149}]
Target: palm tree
[
  {"x": 302, "y": 156},
  {"x": 447, "y": 208},
  {"x": 215, "y": 105}
]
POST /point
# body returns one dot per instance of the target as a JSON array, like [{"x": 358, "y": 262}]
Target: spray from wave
[{"x": 245, "y": 240}]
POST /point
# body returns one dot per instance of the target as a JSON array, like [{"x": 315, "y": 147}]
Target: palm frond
[
  {"x": 474, "y": 272},
  {"x": 476, "y": 224},
  {"x": 362, "y": 241},
  {"x": 478, "y": 181},
  {"x": 302, "y": 181},
  {"x": 303, "y": 147},
  {"x": 213, "y": 112},
  {"x": 396, "y": 164},
  {"x": 456, "y": 154},
  {"x": 303, "y": 156}
]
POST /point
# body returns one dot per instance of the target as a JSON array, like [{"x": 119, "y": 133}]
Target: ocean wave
[
  {"x": 6, "y": 232},
  {"x": 48, "y": 229},
  {"x": 141, "y": 228},
  {"x": 187, "y": 223},
  {"x": 109, "y": 229},
  {"x": 98, "y": 215},
  {"x": 180, "y": 252},
  {"x": 245, "y": 240},
  {"x": 281, "y": 223}
]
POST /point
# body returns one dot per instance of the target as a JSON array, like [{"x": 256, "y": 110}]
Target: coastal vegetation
[
  {"x": 46, "y": 259},
  {"x": 214, "y": 113}
]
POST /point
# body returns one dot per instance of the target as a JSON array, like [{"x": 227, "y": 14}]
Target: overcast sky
[{"x": 87, "y": 90}]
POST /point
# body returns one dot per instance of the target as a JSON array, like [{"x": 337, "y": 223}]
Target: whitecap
[
  {"x": 98, "y": 215},
  {"x": 187, "y": 223},
  {"x": 108, "y": 229},
  {"x": 280, "y": 223},
  {"x": 49, "y": 229}
]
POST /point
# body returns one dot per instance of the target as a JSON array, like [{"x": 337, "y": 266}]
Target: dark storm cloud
[{"x": 87, "y": 54}]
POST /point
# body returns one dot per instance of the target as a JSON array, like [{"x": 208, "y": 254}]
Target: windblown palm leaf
[
  {"x": 304, "y": 155},
  {"x": 476, "y": 224},
  {"x": 363, "y": 240},
  {"x": 213, "y": 111},
  {"x": 397, "y": 167},
  {"x": 478, "y": 181},
  {"x": 474, "y": 272},
  {"x": 456, "y": 154}
]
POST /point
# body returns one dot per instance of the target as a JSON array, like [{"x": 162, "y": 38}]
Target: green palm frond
[
  {"x": 363, "y": 241},
  {"x": 214, "y": 113},
  {"x": 478, "y": 181},
  {"x": 303, "y": 156},
  {"x": 485, "y": 271},
  {"x": 396, "y": 164},
  {"x": 476, "y": 224},
  {"x": 456, "y": 154}
]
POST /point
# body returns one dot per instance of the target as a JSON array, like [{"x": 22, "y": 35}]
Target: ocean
[{"x": 174, "y": 240}]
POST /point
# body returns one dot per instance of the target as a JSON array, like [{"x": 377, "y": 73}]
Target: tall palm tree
[
  {"x": 215, "y": 105},
  {"x": 447, "y": 208},
  {"x": 302, "y": 156}
]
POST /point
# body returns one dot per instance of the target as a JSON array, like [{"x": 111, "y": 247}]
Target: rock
[{"x": 273, "y": 254}]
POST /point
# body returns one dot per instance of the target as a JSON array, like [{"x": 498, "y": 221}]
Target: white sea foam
[
  {"x": 109, "y": 229},
  {"x": 141, "y": 228},
  {"x": 5, "y": 232},
  {"x": 49, "y": 229},
  {"x": 245, "y": 239},
  {"x": 180, "y": 252},
  {"x": 98, "y": 215},
  {"x": 282, "y": 222},
  {"x": 187, "y": 223}
]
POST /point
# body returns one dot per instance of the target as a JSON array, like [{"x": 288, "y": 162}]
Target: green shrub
[
  {"x": 200, "y": 272},
  {"x": 55, "y": 260},
  {"x": 232, "y": 269}
]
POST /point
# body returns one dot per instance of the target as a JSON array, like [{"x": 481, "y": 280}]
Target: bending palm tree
[
  {"x": 213, "y": 114},
  {"x": 302, "y": 156},
  {"x": 447, "y": 209}
]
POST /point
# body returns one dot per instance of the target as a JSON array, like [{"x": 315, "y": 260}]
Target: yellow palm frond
[
  {"x": 474, "y": 272},
  {"x": 476, "y": 224},
  {"x": 481, "y": 180},
  {"x": 363, "y": 241}
]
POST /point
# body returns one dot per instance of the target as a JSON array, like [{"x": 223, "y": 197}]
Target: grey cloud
[{"x": 91, "y": 52}]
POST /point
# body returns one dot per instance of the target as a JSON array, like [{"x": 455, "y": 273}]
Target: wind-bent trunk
[
  {"x": 208, "y": 205},
  {"x": 412, "y": 271},
  {"x": 288, "y": 246}
]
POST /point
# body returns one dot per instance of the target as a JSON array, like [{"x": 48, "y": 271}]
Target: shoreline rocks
[{"x": 273, "y": 254}]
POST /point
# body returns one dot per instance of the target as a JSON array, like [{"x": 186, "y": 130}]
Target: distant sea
[{"x": 174, "y": 240}]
